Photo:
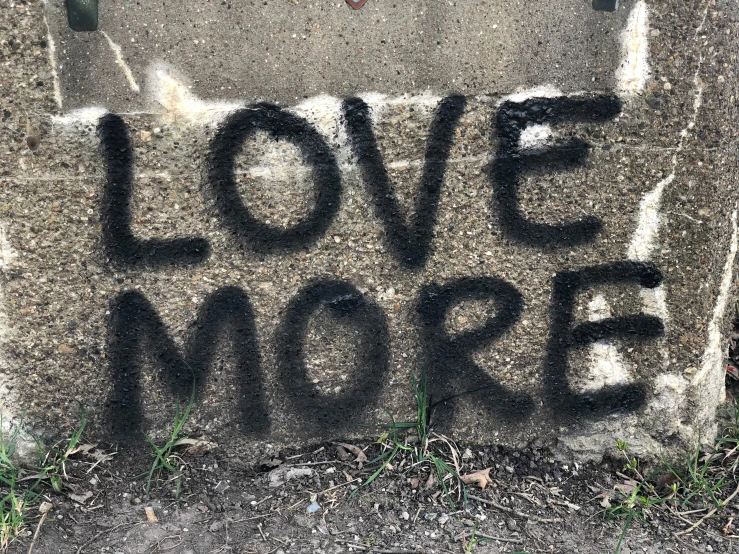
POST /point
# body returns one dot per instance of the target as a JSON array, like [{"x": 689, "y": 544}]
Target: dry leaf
[
  {"x": 84, "y": 448},
  {"x": 81, "y": 498},
  {"x": 665, "y": 480},
  {"x": 101, "y": 456},
  {"x": 151, "y": 517},
  {"x": 627, "y": 487},
  {"x": 358, "y": 452},
  {"x": 343, "y": 454},
  {"x": 605, "y": 503},
  {"x": 480, "y": 478},
  {"x": 92, "y": 451},
  {"x": 196, "y": 447},
  {"x": 431, "y": 481}
]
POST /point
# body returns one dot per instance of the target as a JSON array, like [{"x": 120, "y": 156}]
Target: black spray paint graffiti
[
  {"x": 280, "y": 124},
  {"x": 350, "y": 307},
  {"x": 122, "y": 246},
  {"x": 409, "y": 243},
  {"x": 511, "y": 163},
  {"x": 136, "y": 332},
  {"x": 564, "y": 338},
  {"x": 449, "y": 357}
]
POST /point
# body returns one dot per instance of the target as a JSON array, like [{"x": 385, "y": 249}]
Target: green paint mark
[{"x": 82, "y": 15}]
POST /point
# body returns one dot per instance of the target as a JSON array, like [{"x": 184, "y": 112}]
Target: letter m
[{"x": 136, "y": 333}]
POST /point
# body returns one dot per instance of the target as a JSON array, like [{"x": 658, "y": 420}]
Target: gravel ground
[{"x": 532, "y": 504}]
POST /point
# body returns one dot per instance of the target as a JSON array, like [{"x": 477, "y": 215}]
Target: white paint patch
[
  {"x": 543, "y": 91},
  {"x": 181, "y": 105},
  {"x": 632, "y": 74},
  {"x": 666, "y": 406},
  {"x": 323, "y": 111},
  {"x": 425, "y": 99},
  {"x": 655, "y": 302},
  {"x": 83, "y": 116},
  {"x": 11, "y": 420},
  {"x": 121, "y": 62},
  {"x": 52, "y": 59},
  {"x": 325, "y": 114},
  {"x": 378, "y": 102},
  {"x": 7, "y": 254},
  {"x": 645, "y": 237},
  {"x": 607, "y": 366},
  {"x": 535, "y": 136},
  {"x": 712, "y": 362},
  {"x": 670, "y": 389}
]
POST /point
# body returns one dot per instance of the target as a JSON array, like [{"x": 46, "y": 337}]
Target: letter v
[{"x": 410, "y": 243}]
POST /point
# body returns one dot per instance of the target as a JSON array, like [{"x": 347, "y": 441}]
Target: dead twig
[
  {"x": 339, "y": 486},
  {"x": 708, "y": 515},
  {"x": 514, "y": 512},
  {"x": 491, "y": 538},
  {"x": 101, "y": 533},
  {"x": 685, "y": 544},
  {"x": 679, "y": 515},
  {"x": 530, "y": 497},
  {"x": 373, "y": 550},
  {"x": 158, "y": 546},
  {"x": 45, "y": 509}
]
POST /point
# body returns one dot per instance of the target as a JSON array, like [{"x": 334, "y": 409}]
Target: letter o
[{"x": 279, "y": 124}]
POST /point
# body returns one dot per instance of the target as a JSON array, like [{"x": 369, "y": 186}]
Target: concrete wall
[{"x": 300, "y": 205}]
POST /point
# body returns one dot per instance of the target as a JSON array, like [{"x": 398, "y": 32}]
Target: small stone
[
  {"x": 405, "y": 516},
  {"x": 511, "y": 524},
  {"x": 443, "y": 518},
  {"x": 667, "y": 86},
  {"x": 137, "y": 501},
  {"x": 33, "y": 142},
  {"x": 222, "y": 487},
  {"x": 281, "y": 475},
  {"x": 150, "y": 515},
  {"x": 216, "y": 526},
  {"x": 145, "y": 136},
  {"x": 66, "y": 349}
]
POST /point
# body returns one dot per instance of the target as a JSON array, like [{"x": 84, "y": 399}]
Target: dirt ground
[{"x": 296, "y": 502}]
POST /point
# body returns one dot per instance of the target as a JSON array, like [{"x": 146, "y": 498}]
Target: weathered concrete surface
[
  {"x": 307, "y": 335},
  {"x": 287, "y": 51}
]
